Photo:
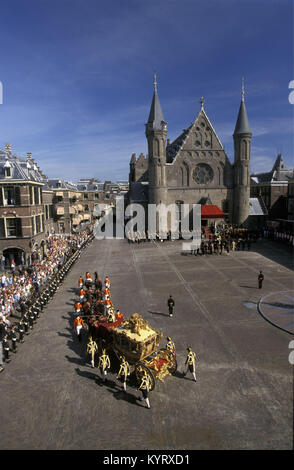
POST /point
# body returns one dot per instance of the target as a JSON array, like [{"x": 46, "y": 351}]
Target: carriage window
[
  {"x": 133, "y": 346},
  {"x": 124, "y": 342}
]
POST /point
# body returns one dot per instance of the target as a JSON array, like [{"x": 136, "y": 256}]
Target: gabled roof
[
  {"x": 173, "y": 149},
  {"x": 279, "y": 172}
]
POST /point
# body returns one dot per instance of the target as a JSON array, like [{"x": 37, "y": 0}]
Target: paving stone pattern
[{"x": 243, "y": 398}]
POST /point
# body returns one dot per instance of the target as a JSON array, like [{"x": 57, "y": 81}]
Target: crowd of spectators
[{"x": 22, "y": 283}]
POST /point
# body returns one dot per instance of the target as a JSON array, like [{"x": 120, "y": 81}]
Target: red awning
[{"x": 211, "y": 211}]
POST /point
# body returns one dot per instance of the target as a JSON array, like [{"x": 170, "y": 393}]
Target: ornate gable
[
  {"x": 198, "y": 142},
  {"x": 197, "y": 158}
]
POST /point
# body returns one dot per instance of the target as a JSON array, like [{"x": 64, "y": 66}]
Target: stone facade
[{"x": 195, "y": 165}]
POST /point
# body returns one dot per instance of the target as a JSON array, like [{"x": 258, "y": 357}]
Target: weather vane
[
  {"x": 243, "y": 89},
  {"x": 155, "y": 82}
]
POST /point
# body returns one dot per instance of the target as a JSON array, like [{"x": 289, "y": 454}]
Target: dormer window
[
  {"x": 7, "y": 172},
  {"x": 7, "y": 169}
]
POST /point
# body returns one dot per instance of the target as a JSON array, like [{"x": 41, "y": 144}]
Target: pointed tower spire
[
  {"x": 155, "y": 119},
  {"x": 242, "y": 124}
]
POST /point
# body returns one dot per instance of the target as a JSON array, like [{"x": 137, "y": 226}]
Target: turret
[
  {"x": 156, "y": 130},
  {"x": 242, "y": 141}
]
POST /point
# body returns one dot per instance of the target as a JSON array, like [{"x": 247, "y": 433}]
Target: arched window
[{"x": 185, "y": 174}]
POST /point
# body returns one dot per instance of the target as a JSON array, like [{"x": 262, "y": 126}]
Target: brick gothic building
[{"x": 194, "y": 168}]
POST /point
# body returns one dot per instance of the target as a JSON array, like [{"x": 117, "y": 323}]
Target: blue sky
[{"x": 77, "y": 77}]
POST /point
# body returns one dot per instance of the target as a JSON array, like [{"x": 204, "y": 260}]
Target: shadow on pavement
[
  {"x": 159, "y": 313},
  {"x": 87, "y": 374},
  {"x": 125, "y": 396}
]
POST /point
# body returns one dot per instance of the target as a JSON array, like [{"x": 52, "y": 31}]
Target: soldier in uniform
[
  {"x": 191, "y": 363},
  {"x": 260, "y": 279},
  {"x": 21, "y": 330},
  {"x": 145, "y": 387},
  {"x": 13, "y": 338},
  {"x": 6, "y": 348},
  {"x": 104, "y": 364},
  {"x": 92, "y": 348},
  {"x": 26, "y": 322},
  {"x": 123, "y": 372},
  {"x": 31, "y": 318},
  {"x": 170, "y": 304}
]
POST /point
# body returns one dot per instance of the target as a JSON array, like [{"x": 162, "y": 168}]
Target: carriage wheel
[
  {"x": 140, "y": 368},
  {"x": 173, "y": 365}
]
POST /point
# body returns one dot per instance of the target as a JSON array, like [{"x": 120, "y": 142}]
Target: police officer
[{"x": 170, "y": 304}]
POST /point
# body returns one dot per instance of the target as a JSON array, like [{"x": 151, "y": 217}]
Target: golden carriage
[{"x": 138, "y": 342}]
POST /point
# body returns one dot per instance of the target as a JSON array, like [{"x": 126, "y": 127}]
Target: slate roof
[
  {"x": 58, "y": 183},
  {"x": 242, "y": 124},
  {"x": 21, "y": 168},
  {"x": 155, "y": 115},
  {"x": 139, "y": 191},
  {"x": 173, "y": 148},
  {"x": 279, "y": 172},
  {"x": 255, "y": 207}
]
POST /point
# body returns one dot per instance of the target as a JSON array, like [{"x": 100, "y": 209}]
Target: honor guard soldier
[
  {"x": 26, "y": 322},
  {"x": 104, "y": 364},
  {"x": 170, "y": 345},
  {"x": 170, "y": 304},
  {"x": 21, "y": 330},
  {"x": 6, "y": 348},
  {"x": 13, "y": 338},
  {"x": 78, "y": 325},
  {"x": 31, "y": 318},
  {"x": 145, "y": 387},
  {"x": 123, "y": 372},
  {"x": 260, "y": 279},
  {"x": 92, "y": 348},
  {"x": 191, "y": 363},
  {"x": 34, "y": 313}
]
